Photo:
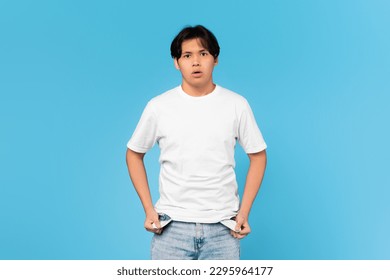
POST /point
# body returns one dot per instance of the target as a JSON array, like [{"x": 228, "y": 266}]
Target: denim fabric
[{"x": 195, "y": 241}]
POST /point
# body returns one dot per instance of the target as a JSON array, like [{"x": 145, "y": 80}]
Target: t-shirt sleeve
[
  {"x": 249, "y": 134},
  {"x": 145, "y": 134}
]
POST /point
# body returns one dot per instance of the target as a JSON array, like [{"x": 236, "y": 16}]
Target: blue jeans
[{"x": 195, "y": 241}]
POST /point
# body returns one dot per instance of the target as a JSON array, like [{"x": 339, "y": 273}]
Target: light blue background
[{"x": 76, "y": 75}]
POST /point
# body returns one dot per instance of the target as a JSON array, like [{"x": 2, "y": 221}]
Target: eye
[
  {"x": 204, "y": 53},
  {"x": 186, "y": 56}
]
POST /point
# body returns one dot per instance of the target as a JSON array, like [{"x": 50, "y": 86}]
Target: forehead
[{"x": 192, "y": 45}]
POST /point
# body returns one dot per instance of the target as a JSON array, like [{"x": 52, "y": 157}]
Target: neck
[{"x": 198, "y": 91}]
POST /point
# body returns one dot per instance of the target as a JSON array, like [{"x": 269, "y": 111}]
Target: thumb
[
  {"x": 156, "y": 223},
  {"x": 238, "y": 225}
]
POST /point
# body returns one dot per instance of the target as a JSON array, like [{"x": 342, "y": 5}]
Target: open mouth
[{"x": 197, "y": 73}]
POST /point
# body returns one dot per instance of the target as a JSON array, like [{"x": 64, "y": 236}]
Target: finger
[
  {"x": 150, "y": 226},
  {"x": 154, "y": 229},
  {"x": 151, "y": 229},
  {"x": 233, "y": 234},
  {"x": 238, "y": 227},
  {"x": 240, "y": 236},
  {"x": 157, "y": 223},
  {"x": 245, "y": 231}
]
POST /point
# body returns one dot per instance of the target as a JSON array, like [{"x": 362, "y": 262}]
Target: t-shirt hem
[{"x": 203, "y": 220}]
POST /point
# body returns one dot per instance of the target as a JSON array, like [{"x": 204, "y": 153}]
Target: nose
[{"x": 196, "y": 60}]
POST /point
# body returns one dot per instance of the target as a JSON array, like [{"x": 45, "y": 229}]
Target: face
[{"x": 196, "y": 65}]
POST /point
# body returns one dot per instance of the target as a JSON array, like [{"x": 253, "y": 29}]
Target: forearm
[
  {"x": 137, "y": 172},
  {"x": 254, "y": 178}
]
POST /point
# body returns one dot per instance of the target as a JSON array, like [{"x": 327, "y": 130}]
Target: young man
[{"x": 196, "y": 126}]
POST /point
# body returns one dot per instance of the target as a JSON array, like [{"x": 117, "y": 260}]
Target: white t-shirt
[{"x": 197, "y": 137}]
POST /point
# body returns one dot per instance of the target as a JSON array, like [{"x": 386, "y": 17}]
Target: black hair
[{"x": 206, "y": 37}]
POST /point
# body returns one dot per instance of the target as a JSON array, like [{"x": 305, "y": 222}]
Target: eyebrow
[{"x": 188, "y": 52}]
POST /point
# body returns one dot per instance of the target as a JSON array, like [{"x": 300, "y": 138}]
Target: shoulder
[
  {"x": 234, "y": 97},
  {"x": 167, "y": 97},
  {"x": 163, "y": 100}
]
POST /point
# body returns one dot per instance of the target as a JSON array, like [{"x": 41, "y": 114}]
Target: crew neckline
[{"x": 203, "y": 97}]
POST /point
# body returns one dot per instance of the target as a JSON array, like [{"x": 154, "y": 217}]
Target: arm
[
  {"x": 254, "y": 178},
  {"x": 137, "y": 172}
]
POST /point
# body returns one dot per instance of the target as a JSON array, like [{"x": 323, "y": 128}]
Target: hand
[
  {"x": 242, "y": 226},
  {"x": 152, "y": 222}
]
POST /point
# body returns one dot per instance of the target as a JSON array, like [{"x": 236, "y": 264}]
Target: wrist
[
  {"x": 149, "y": 209},
  {"x": 243, "y": 213}
]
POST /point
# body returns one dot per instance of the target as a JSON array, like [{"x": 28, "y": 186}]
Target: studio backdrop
[{"x": 76, "y": 75}]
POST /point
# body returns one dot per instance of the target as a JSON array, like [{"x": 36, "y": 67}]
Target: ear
[
  {"x": 215, "y": 61},
  {"x": 177, "y": 66}
]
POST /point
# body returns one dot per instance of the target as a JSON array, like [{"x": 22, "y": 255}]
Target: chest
[{"x": 212, "y": 123}]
